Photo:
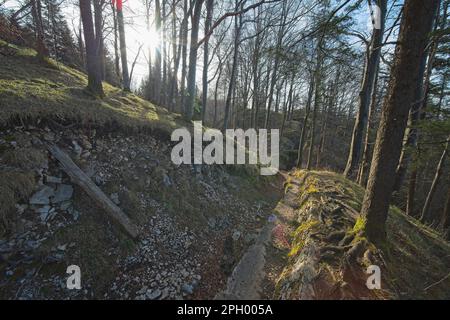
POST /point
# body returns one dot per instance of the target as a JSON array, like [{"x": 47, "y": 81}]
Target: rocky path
[
  {"x": 255, "y": 276},
  {"x": 245, "y": 283}
]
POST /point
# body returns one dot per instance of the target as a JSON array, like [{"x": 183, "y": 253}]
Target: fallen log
[{"x": 85, "y": 183}]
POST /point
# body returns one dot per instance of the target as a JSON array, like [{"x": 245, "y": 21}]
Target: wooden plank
[{"x": 84, "y": 182}]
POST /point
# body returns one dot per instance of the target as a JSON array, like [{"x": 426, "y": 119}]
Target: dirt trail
[
  {"x": 246, "y": 279},
  {"x": 255, "y": 275}
]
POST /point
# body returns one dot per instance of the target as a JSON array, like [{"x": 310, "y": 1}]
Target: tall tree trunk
[
  {"x": 411, "y": 193},
  {"x": 189, "y": 109},
  {"x": 413, "y": 37},
  {"x": 158, "y": 58},
  {"x": 98, "y": 23},
  {"x": 373, "y": 58},
  {"x": 208, "y": 21},
  {"x": 164, "y": 56},
  {"x": 36, "y": 13},
  {"x": 216, "y": 92},
  {"x": 280, "y": 37},
  {"x": 184, "y": 40},
  {"x": 123, "y": 47},
  {"x": 288, "y": 105},
  {"x": 446, "y": 215},
  {"x": 176, "y": 57},
  {"x": 439, "y": 169},
  {"x": 237, "y": 33},
  {"x": 420, "y": 103},
  {"x": 93, "y": 68},
  {"x": 365, "y": 162},
  {"x": 317, "y": 102},
  {"x": 305, "y": 122},
  {"x": 116, "y": 44}
]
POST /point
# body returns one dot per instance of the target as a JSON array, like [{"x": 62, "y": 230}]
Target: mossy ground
[{"x": 31, "y": 90}]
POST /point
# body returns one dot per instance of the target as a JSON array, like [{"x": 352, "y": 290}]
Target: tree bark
[
  {"x": 439, "y": 169},
  {"x": 305, "y": 122},
  {"x": 116, "y": 44},
  {"x": 189, "y": 108},
  {"x": 280, "y": 37},
  {"x": 420, "y": 103},
  {"x": 36, "y": 13},
  {"x": 123, "y": 47},
  {"x": 98, "y": 23},
  {"x": 446, "y": 213},
  {"x": 208, "y": 22},
  {"x": 371, "y": 69},
  {"x": 93, "y": 68},
  {"x": 237, "y": 33},
  {"x": 365, "y": 162},
  {"x": 413, "y": 38}
]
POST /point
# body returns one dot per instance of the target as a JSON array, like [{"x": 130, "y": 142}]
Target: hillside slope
[
  {"x": 54, "y": 93},
  {"x": 194, "y": 222}
]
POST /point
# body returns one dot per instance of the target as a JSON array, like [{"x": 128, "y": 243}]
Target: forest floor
[{"x": 205, "y": 232}]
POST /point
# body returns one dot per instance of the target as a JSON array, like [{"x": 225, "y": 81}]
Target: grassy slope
[
  {"x": 30, "y": 90},
  {"x": 416, "y": 256}
]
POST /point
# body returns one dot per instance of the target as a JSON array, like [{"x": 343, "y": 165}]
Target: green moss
[
  {"x": 296, "y": 249},
  {"x": 360, "y": 224},
  {"x": 304, "y": 227}
]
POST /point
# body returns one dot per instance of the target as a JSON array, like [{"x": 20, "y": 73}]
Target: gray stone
[
  {"x": 236, "y": 235},
  {"x": 65, "y": 205},
  {"x": 115, "y": 198},
  {"x": 153, "y": 295},
  {"x": 166, "y": 180},
  {"x": 50, "y": 179},
  {"x": 64, "y": 193},
  {"x": 44, "y": 212},
  {"x": 21, "y": 208},
  {"x": 188, "y": 289},
  {"x": 42, "y": 197},
  {"x": 76, "y": 148}
]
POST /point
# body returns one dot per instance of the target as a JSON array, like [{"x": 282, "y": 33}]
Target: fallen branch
[
  {"x": 437, "y": 283},
  {"x": 84, "y": 182}
]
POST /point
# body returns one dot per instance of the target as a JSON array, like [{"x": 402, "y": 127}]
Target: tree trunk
[
  {"x": 237, "y": 33},
  {"x": 176, "y": 58},
  {"x": 288, "y": 104},
  {"x": 164, "y": 56},
  {"x": 365, "y": 162},
  {"x": 123, "y": 47},
  {"x": 189, "y": 109},
  {"x": 36, "y": 13},
  {"x": 93, "y": 68},
  {"x": 158, "y": 58},
  {"x": 305, "y": 122},
  {"x": 184, "y": 39},
  {"x": 208, "y": 21},
  {"x": 446, "y": 214},
  {"x": 420, "y": 103},
  {"x": 371, "y": 69},
  {"x": 98, "y": 23},
  {"x": 413, "y": 38},
  {"x": 278, "y": 48},
  {"x": 439, "y": 169},
  {"x": 116, "y": 44},
  {"x": 411, "y": 193},
  {"x": 317, "y": 96}
]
